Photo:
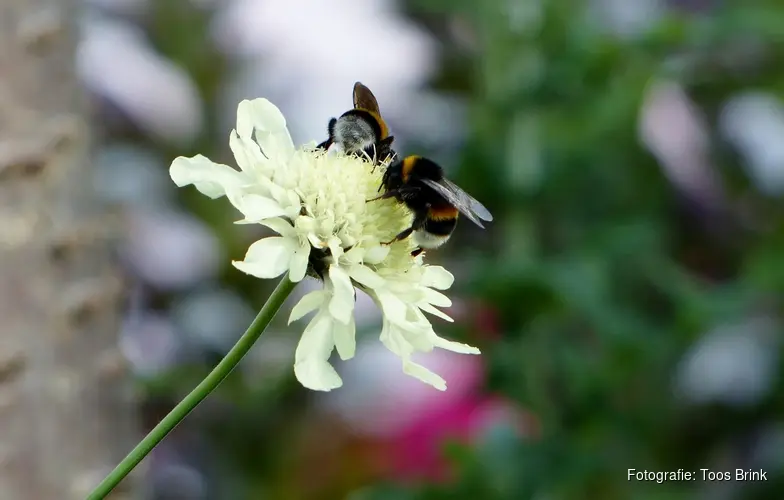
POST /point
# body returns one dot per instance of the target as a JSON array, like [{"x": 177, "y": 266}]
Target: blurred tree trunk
[{"x": 66, "y": 412}]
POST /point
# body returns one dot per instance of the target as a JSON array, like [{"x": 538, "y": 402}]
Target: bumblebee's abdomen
[
  {"x": 373, "y": 120},
  {"x": 442, "y": 212},
  {"x": 441, "y": 220},
  {"x": 440, "y": 227},
  {"x": 382, "y": 132}
]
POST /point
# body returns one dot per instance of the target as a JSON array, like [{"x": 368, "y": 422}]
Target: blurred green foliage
[
  {"x": 602, "y": 273},
  {"x": 607, "y": 277}
]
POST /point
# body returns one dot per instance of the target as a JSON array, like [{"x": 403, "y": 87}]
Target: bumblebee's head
[
  {"x": 393, "y": 175},
  {"x": 381, "y": 150}
]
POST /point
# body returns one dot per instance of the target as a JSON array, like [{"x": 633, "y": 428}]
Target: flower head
[{"x": 316, "y": 202}]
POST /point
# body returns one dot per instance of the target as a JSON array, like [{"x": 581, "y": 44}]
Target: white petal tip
[
  {"x": 254, "y": 270},
  {"x": 267, "y": 258},
  {"x": 317, "y": 376},
  {"x": 345, "y": 356},
  {"x": 457, "y": 347},
  {"x": 307, "y": 304},
  {"x": 210, "y": 178},
  {"x": 425, "y": 375}
]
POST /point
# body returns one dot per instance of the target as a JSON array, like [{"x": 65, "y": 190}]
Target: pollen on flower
[
  {"x": 317, "y": 202},
  {"x": 334, "y": 190}
]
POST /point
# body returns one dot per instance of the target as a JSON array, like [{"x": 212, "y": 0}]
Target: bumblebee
[
  {"x": 435, "y": 200},
  {"x": 361, "y": 130}
]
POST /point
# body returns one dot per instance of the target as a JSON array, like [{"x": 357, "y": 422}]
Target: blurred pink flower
[
  {"x": 405, "y": 425},
  {"x": 416, "y": 454},
  {"x": 378, "y": 400}
]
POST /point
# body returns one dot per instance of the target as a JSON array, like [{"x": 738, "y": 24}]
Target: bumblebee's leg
[
  {"x": 388, "y": 194},
  {"x": 419, "y": 221},
  {"x": 372, "y": 154},
  {"x": 331, "y": 133},
  {"x": 395, "y": 192},
  {"x": 417, "y": 252},
  {"x": 400, "y": 236},
  {"x": 384, "y": 149}
]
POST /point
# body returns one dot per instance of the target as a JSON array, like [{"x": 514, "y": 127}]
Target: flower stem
[{"x": 210, "y": 382}]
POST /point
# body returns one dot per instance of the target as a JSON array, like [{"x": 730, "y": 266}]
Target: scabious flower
[{"x": 317, "y": 203}]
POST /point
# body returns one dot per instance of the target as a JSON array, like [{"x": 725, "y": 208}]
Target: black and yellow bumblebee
[
  {"x": 435, "y": 200},
  {"x": 361, "y": 130}
]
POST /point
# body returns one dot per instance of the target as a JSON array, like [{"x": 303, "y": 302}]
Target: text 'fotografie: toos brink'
[{"x": 701, "y": 475}]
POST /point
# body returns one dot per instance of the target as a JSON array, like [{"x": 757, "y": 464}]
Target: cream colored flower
[{"x": 316, "y": 202}]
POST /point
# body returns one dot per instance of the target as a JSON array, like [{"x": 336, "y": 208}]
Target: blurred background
[{"x": 627, "y": 299}]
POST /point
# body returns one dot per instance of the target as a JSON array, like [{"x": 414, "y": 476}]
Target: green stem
[{"x": 210, "y": 382}]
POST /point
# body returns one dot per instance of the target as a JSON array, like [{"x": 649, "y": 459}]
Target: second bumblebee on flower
[{"x": 420, "y": 184}]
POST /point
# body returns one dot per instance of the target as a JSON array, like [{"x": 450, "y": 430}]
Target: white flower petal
[
  {"x": 267, "y": 258},
  {"x": 265, "y": 119},
  {"x": 423, "y": 374},
  {"x": 307, "y": 304},
  {"x": 393, "y": 339},
  {"x": 335, "y": 249},
  {"x": 436, "y": 298},
  {"x": 277, "y": 145},
  {"x": 435, "y": 312},
  {"x": 279, "y": 194},
  {"x": 345, "y": 338},
  {"x": 366, "y": 277},
  {"x": 310, "y": 359},
  {"x": 453, "y": 346},
  {"x": 256, "y": 208},
  {"x": 280, "y": 226},
  {"x": 376, "y": 254},
  {"x": 354, "y": 255},
  {"x": 437, "y": 277},
  {"x": 305, "y": 224},
  {"x": 419, "y": 338},
  {"x": 247, "y": 153},
  {"x": 294, "y": 199},
  {"x": 259, "y": 114},
  {"x": 299, "y": 263},
  {"x": 211, "y": 179},
  {"x": 316, "y": 241},
  {"x": 341, "y": 307},
  {"x": 317, "y": 375},
  {"x": 393, "y": 308}
]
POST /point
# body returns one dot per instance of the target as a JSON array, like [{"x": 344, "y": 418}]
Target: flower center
[{"x": 334, "y": 190}]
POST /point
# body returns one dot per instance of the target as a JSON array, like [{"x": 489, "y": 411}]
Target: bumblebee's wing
[
  {"x": 461, "y": 200},
  {"x": 364, "y": 98}
]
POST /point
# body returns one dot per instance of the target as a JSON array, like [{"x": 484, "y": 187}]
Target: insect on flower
[
  {"x": 361, "y": 130},
  {"x": 316, "y": 203},
  {"x": 436, "y": 201}
]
